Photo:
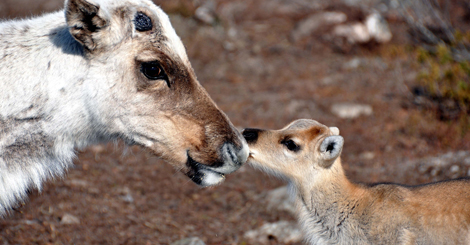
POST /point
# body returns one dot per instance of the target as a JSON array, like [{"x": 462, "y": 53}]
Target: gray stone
[
  {"x": 351, "y": 110},
  {"x": 189, "y": 241},
  {"x": 451, "y": 164},
  {"x": 454, "y": 169},
  {"x": 353, "y": 33},
  {"x": 292, "y": 8},
  {"x": 283, "y": 232},
  {"x": 353, "y": 64},
  {"x": 126, "y": 194},
  {"x": 68, "y": 219},
  {"x": 310, "y": 24},
  {"x": 378, "y": 28},
  {"x": 375, "y": 28},
  {"x": 206, "y": 13},
  {"x": 367, "y": 155}
]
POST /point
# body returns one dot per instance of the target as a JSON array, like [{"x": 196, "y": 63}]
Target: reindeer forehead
[
  {"x": 169, "y": 36},
  {"x": 163, "y": 36}
]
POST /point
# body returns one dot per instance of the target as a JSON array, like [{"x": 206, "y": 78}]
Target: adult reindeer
[{"x": 109, "y": 69}]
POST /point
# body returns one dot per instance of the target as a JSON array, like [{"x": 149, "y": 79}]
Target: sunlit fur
[
  {"x": 72, "y": 78},
  {"x": 333, "y": 210}
]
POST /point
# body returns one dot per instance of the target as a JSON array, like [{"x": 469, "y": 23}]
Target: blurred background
[{"x": 394, "y": 76}]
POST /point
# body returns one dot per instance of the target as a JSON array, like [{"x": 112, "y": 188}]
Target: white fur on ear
[
  {"x": 330, "y": 149},
  {"x": 334, "y": 130}
]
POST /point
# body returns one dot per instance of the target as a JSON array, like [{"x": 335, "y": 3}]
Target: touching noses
[
  {"x": 233, "y": 157},
  {"x": 251, "y": 135}
]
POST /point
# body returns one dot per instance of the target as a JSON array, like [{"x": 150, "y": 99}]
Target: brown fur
[
  {"x": 100, "y": 71},
  {"x": 333, "y": 210}
]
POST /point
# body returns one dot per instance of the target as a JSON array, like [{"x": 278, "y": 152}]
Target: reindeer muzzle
[{"x": 208, "y": 175}]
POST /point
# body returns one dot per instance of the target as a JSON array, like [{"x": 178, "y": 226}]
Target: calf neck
[
  {"x": 101, "y": 70},
  {"x": 333, "y": 210}
]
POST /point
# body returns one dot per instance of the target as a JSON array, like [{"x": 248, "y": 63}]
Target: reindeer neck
[
  {"x": 323, "y": 184},
  {"x": 325, "y": 203}
]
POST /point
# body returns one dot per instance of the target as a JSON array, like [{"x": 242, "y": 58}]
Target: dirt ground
[{"x": 260, "y": 77}]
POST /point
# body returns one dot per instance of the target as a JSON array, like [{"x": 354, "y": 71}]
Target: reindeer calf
[{"x": 333, "y": 210}]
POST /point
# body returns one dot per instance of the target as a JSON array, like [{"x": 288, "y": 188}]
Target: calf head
[
  {"x": 141, "y": 87},
  {"x": 298, "y": 149}
]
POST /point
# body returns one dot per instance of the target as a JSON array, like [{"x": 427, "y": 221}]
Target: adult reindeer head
[{"x": 141, "y": 87}]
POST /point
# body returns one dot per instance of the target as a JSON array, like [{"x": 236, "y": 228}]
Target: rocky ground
[{"x": 265, "y": 63}]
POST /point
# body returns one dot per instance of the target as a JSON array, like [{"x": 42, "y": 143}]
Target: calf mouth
[{"x": 203, "y": 175}]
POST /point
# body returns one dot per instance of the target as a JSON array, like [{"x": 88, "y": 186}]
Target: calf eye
[
  {"x": 142, "y": 22},
  {"x": 153, "y": 71},
  {"x": 291, "y": 145}
]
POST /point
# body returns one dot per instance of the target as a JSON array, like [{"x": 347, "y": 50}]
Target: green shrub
[{"x": 443, "y": 76}]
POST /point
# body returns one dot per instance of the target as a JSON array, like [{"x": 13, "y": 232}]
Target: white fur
[{"x": 54, "y": 98}]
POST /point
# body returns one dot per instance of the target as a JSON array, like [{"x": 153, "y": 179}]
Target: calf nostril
[{"x": 251, "y": 135}]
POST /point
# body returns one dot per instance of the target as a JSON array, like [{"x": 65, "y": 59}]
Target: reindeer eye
[
  {"x": 153, "y": 71},
  {"x": 142, "y": 22},
  {"x": 291, "y": 145}
]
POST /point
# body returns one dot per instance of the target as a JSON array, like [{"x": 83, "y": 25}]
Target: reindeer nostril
[
  {"x": 230, "y": 153},
  {"x": 251, "y": 135}
]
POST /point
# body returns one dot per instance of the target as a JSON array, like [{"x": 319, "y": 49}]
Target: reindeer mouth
[{"x": 202, "y": 174}]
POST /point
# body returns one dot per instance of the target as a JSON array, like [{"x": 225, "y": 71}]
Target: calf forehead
[{"x": 303, "y": 124}]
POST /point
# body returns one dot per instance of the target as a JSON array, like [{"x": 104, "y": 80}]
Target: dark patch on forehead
[
  {"x": 142, "y": 22},
  {"x": 314, "y": 132},
  {"x": 145, "y": 21}
]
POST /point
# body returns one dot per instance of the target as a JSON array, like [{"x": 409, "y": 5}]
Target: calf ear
[
  {"x": 84, "y": 20},
  {"x": 330, "y": 149}
]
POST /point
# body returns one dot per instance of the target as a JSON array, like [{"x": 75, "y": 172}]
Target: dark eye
[
  {"x": 291, "y": 145},
  {"x": 142, "y": 22},
  {"x": 153, "y": 71}
]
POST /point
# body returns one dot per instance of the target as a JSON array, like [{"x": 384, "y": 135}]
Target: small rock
[
  {"x": 127, "y": 198},
  {"x": 126, "y": 195},
  {"x": 378, "y": 28},
  {"x": 77, "y": 183},
  {"x": 281, "y": 232},
  {"x": 368, "y": 155},
  {"x": 31, "y": 222},
  {"x": 333, "y": 79},
  {"x": 189, "y": 241},
  {"x": 291, "y": 8},
  {"x": 454, "y": 169},
  {"x": 466, "y": 161},
  {"x": 349, "y": 110},
  {"x": 206, "y": 13},
  {"x": 375, "y": 28},
  {"x": 68, "y": 219},
  {"x": 352, "y": 64},
  {"x": 354, "y": 33},
  {"x": 309, "y": 25},
  {"x": 436, "y": 166}
]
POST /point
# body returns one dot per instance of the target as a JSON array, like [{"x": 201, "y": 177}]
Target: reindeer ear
[
  {"x": 84, "y": 20},
  {"x": 330, "y": 149}
]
